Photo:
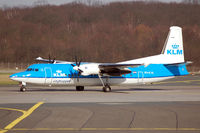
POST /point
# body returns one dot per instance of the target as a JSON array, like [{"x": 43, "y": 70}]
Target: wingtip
[
  {"x": 39, "y": 58},
  {"x": 189, "y": 62}
]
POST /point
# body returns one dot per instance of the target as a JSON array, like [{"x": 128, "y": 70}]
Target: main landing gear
[
  {"x": 79, "y": 88},
  {"x": 22, "y": 86},
  {"x": 106, "y": 86}
]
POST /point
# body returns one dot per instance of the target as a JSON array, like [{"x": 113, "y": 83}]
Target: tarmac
[{"x": 171, "y": 106}]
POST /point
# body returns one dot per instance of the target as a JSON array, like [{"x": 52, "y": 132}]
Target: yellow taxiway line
[
  {"x": 104, "y": 129},
  {"x": 10, "y": 126},
  {"x": 19, "y": 110},
  {"x": 16, "y": 121}
]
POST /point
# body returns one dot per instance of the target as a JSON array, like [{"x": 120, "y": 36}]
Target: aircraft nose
[
  {"x": 13, "y": 76},
  {"x": 21, "y": 76}
]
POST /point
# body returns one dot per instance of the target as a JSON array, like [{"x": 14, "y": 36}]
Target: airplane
[{"x": 169, "y": 64}]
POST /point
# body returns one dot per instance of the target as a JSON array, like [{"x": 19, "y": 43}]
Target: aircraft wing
[
  {"x": 114, "y": 69},
  {"x": 52, "y": 61},
  {"x": 116, "y": 65}
]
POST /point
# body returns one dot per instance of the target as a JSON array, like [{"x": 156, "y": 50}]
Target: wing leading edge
[{"x": 113, "y": 69}]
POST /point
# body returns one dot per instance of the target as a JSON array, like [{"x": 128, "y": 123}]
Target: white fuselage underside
[{"x": 90, "y": 81}]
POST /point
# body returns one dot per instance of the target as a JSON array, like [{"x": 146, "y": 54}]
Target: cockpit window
[{"x": 29, "y": 69}]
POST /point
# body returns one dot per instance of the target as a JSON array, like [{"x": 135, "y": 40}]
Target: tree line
[{"x": 102, "y": 33}]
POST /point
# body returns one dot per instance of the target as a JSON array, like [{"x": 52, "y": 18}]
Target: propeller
[
  {"x": 76, "y": 67},
  {"x": 50, "y": 60},
  {"x": 54, "y": 60}
]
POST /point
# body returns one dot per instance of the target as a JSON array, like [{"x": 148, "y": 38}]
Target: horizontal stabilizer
[{"x": 178, "y": 64}]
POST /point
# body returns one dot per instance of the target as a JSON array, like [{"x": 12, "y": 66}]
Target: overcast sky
[{"x": 22, "y": 3}]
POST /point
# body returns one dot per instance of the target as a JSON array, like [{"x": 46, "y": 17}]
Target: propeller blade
[
  {"x": 76, "y": 67},
  {"x": 53, "y": 60},
  {"x": 80, "y": 71},
  {"x": 79, "y": 63},
  {"x": 77, "y": 78},
  {"x": 49, "y": 58},
  {"x": 76, "y": 60}
]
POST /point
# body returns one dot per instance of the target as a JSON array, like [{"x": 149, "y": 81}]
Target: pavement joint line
[
  {"x": 186, "y": 81},
  {"x": 25, "y": 114},
  {"x": 103, "y": 129}
]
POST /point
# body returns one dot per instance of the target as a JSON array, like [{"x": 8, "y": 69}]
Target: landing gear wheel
[
  {"x": 79, "y": 88},
  {"x": 107, "y": 88},
  {"x": 23, "y": 89}
]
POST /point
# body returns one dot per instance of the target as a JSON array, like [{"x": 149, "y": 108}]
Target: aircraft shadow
[
  {"x": 135, "y": 90},
  {"x": 125, "y": 90}
]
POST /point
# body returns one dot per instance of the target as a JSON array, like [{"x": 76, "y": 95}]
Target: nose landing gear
[{"x": 22, "y": 86}]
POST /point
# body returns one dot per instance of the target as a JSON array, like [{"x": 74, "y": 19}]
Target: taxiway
[{"x": 171, "y": 106}]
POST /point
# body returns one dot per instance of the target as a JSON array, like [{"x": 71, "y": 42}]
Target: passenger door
[
  {"x": 140, "y": 77},
  {"x": 48, "y": 75}
]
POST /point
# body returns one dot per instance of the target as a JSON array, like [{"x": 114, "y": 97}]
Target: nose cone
[
  {"x": 13, "y": 76},
  {"x": 20, "y": 76}
]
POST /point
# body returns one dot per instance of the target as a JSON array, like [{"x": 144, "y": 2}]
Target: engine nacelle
[{"x": 89, "y": 69}]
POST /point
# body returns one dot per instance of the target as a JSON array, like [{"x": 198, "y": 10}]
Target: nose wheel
[{"x": 22, "y": 86}]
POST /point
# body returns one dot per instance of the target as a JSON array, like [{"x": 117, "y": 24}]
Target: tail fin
[
  {"x": 173, "y": 47},
  {"x": 172, "y": 52}
]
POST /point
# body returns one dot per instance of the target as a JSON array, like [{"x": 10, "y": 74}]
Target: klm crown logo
[
  {"x": 175, "y": 46},
  {"x": 175, "y": 50}
]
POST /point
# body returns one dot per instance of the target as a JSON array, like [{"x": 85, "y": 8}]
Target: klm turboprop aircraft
[{"x": 168, "y": 64}]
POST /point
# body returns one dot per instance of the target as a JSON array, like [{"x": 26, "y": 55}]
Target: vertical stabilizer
[{"x": 173, "y": 47}]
